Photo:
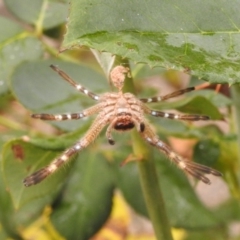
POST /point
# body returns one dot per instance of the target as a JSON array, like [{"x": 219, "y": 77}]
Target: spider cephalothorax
[{"x": 121, "y": 112}]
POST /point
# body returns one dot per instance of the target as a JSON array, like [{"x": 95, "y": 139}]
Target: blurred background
[{"x": 93, "y": 197}]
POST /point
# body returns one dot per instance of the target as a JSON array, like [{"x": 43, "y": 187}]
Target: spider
[{"x": 121, "y": 112}]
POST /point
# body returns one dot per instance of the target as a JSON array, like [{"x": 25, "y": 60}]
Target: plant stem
[
  {"x": 39, "y": 22},
  {"x": 235, "y": 90},
  {"x": 149, "y": 181},
  {"x": 11, "y": 124},
  {"x": 54, "y": 52},
  {"x": 151, "y": 189}
]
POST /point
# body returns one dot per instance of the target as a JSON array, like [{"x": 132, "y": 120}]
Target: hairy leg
[
  {"x": 168, "y": 96},
  {"x": 196, "y": 170},
  {"x": 69, "y": 116},
  {"x": 78, "y": 86},
  {"x": 88, "y": 138}
]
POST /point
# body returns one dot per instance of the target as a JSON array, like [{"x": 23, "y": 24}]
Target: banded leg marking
[
  {"x": 194, "y": 169},
  {"x": 168, "y": 96},
  {"x": 41, "y": 174},
  {"x": 89, "y": 137},
  {"x": 79, "y": 87},
  {"x": 69, "y": 116},
  {"x": 57, "y": 117},
  {"x": 187, "y": 117}
]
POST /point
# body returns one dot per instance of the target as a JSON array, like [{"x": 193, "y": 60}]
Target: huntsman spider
[{"x": 121, "y": 112}]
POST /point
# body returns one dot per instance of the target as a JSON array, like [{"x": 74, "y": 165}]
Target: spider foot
[
  {"x": 197, "y": 170},
  {"x": 111, "y": 141},
  {"x": 36, "y": 177}
]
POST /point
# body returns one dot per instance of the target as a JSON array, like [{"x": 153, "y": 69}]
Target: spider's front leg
[
  {"x": 78, "y": 86},
  {"x": 89, "y": 137},
  {"x": 69, "y": 116},
  {"x": 194, "y": 169}
]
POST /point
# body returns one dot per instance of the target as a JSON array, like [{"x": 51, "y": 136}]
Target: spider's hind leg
[
  {"x": 185, "y": 117},
  {"x": 44, "y": 172},
  {"x": 67, "y": 155},
  {"x": 69, "y": 116},
  {"x": 194, "y": 169}
]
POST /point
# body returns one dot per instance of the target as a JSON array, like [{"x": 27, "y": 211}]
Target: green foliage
[
  {"x": 52, "y": 95},
  {"x": 16, "y": 45},
  {"x": 20, "y": 206},
  {"x": 47, "y": 14},
  {"x": 202, "y": 37},
  {"x": 87, "y": 197},
  {"x": 178, "y": 194}
]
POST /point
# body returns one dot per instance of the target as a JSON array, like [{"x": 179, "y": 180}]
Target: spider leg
[
  {"x": 69, "y": 116},
  {"x": 168, "y": 96},
  {"x": 89, "y": 137},
  {"x": 186, "y": 117},
  {"x": 194, "y": 169},
  {"x": 78, "y": 86},
  {"x": 109, "y": 133}
]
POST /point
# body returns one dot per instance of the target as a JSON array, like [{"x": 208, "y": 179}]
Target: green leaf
[
  {"x": 87, "y": 199},
  {"x": 207, "y": 152},
  {"x": 202, "y": 106},
  {"x": 7, "y": 212},
  {"x": 210, "y": 102},
  {"x": 15, "y": 46},
  {"x": 176, "y": 128},
  {"x": 129, "y": 184},
  {"x": 9, "y": 29},
  {"x": 105, "y": 60},
  {"x": 219, "y": 151},
  {"x": 229, "y": 210},
  {"x": 56, "y": 143},
  {"x": 218, "y": 99},
  {"x": 218, "y": 233},
  {"x": 19, "y": 205},
  {"x": 183, "y": 207},
  {"x": 50, "y": 13},
  {"x": 3, "y": 234},
  {"x": 203, "y": 37},
  {"x": 227, "y": 162},
  {"x": 42, "y": 90},
  {"x": 21, "y": 159},
  {"x": 181, "y": 199}
]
